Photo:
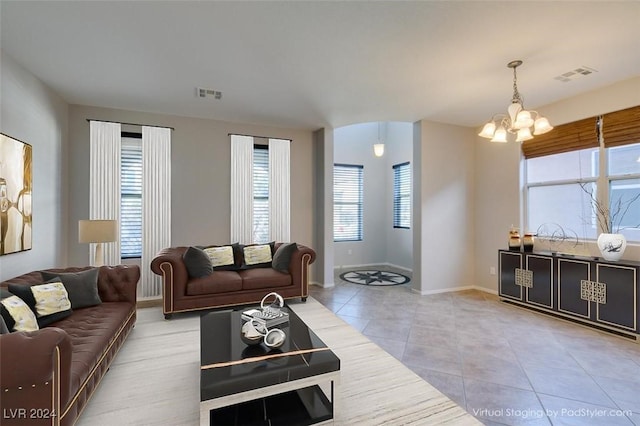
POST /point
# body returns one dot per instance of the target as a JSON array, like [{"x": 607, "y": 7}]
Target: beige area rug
[{"x": 154, "y": 380}]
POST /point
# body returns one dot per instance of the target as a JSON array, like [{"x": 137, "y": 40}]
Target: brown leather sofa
[
  {"x": 48, "y": 376},
  {"x": 181, "y": 293}
]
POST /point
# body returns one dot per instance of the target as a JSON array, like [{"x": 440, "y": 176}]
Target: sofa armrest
[
  {"x": 35, "y": 369},
  {"x": 118, "y": 283},
  {"x": 169, "y": 265},
  {"x": 299, "y": 267}
]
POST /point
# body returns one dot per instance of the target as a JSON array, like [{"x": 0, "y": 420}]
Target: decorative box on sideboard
[{"x": 592, "y": 291}]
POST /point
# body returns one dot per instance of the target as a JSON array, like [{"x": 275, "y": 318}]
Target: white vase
[{"x": 612, "y": 246}]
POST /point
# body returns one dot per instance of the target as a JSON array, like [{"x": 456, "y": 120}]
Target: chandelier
[{"x": 518, "y": 121}]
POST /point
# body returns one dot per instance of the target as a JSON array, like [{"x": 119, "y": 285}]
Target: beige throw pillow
[
  {"x": 50, "y": 298},
  {"x": 220, "y": 256},
  {"x": 25, "y": 319},
  {"x": 254, "y": 255}
]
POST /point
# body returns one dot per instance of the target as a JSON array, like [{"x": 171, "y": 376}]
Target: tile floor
[{"x": 505, "y": 365}]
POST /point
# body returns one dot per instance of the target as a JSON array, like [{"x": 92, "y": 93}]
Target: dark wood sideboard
[{"x": 592, "y": 291}]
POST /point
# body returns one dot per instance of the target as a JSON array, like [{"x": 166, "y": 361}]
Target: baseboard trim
[
  {"x": 325, "y": 285},
  {"x": 455, "y": 289},
  {"x": 372, "y": 265},
  {"x": 148, "y": 303}
]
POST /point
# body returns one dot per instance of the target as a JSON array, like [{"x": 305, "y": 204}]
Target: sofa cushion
[
  {"x": 217, "y": 282},
  {"x": 17, "y": 314},
  {"x": 263, "y": 278},
  {"x": 49, "y": 300},
  {"x": 92, "y": 330},
  {"x": 282, "y": 257},
  {"x": 197, "y": 262},
  {"x": 82, "y": 286},
  {"x": 3, "y": 326}
]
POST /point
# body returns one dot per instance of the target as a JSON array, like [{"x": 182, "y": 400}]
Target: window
[
  {"x": 131, "y": 196},
  {"x": 347, "y": 202},
  {"x": 624, "y": 187},
  {"x": 597, "y": 158},
  {"x": 555, "y": 194},
  {"x": 402, "y": 195},
  {"x": 260, "y": 193}
]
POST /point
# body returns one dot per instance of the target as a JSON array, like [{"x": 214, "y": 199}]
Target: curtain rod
[
  {"x": 129, "y": 124},
  {"x": 257, "y": 136}
]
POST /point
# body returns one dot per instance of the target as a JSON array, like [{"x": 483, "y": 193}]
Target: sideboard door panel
[
  {"x": 619, "y": 308},
  {"x": 541, "y": 293},
  {"x": 570, "y": 274},
  {"x": 509, "y": 262}
]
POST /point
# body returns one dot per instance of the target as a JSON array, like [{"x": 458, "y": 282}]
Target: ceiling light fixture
[{"x": 518, "y": 121}]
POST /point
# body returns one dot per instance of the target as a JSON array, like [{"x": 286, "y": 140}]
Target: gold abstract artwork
[{"x": 16, "y": 184}]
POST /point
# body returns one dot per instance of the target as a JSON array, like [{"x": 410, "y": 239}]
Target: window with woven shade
[
  {"x": 581, "y": 134},
  {"x": 592, "y": 157}
]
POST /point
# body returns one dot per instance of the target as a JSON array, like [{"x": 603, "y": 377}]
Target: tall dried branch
[{"x": 610, "y": 219}]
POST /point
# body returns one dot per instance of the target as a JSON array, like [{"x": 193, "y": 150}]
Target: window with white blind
[
  {"x": 402, "y": 195},
  {"x": 347, "y": 202},
  {"x": 131, "y": 196},
  {"x": 260, "y": 193}
]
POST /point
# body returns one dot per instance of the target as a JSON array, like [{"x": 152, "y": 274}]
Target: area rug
[{"x": 374, "y": 277}]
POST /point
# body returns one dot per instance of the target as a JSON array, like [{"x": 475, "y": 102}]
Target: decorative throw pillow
[
  {"x": 220, "y": 256},
  {"x": 257, "y": 255},
  {"x": 3, "y": 326},
  {"x": 82, "y": 287},
  {"x": 17, "y": 315},
  {"x": 282, "y": 257},
  {"x": 197, "y": 262},
  {"x": 49, "y": 301}
]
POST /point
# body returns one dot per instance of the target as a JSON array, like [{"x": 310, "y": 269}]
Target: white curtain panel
[
  {"x": 156, "y": 203},
  {"x": 104, "y": 182},
  {"x": 241, "y": 189},
  {"x": 279, "y": 190}
]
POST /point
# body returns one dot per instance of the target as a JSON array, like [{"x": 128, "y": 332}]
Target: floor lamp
[{"x": 97, "y": 231}]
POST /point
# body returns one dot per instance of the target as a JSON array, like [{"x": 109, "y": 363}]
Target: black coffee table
[{"x": 295, "y": 384}]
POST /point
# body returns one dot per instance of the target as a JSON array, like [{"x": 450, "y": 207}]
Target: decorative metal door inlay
[
  {"x": 593, "y": 291},
  {"x": 524, "y": 278}
]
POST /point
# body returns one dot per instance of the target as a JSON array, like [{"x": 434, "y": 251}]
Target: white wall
[
  {"x": 354, "y": 145},
  {"x": 399, "y": 140},
  {"x": 444, "y": 205},
  {"x": 34, "y": 114},
  {"x": 497, "y": 168},
  {"x": 323, "y": 186}
]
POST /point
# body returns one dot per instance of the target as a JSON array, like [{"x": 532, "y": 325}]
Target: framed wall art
[{"x": 16, "y": 185}]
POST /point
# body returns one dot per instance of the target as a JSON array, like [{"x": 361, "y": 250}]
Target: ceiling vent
[
  {"x": 574, "y": 74},
  {"x": 201, "y": 92}
]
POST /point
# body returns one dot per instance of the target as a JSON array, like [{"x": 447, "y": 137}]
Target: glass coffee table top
[{"x": 229, "y": 366}]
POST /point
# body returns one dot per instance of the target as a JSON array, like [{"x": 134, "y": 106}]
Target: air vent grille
[
  {"x": 575, "y": 74},
  {"x": 201, "y": 92}
]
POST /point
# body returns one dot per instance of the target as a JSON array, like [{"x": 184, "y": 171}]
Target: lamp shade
[
  {"x": 500, "y": 136},
  {"x": 97, "y": 231},
  {"x": 541, "y": 126},
  {"x": 523, "y": 119},
  {"x": 523, "y": 135},
  {"x": 378, "y": 149},
  {"x": 488, "y": 130}
]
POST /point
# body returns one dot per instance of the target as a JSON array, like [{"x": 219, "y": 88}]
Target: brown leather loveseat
[
  {"x": 182, "y": 293},
  {"x": 47, "y": 376}
]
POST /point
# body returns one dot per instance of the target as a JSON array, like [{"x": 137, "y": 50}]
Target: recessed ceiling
[{"x": 310, "y": 64}]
